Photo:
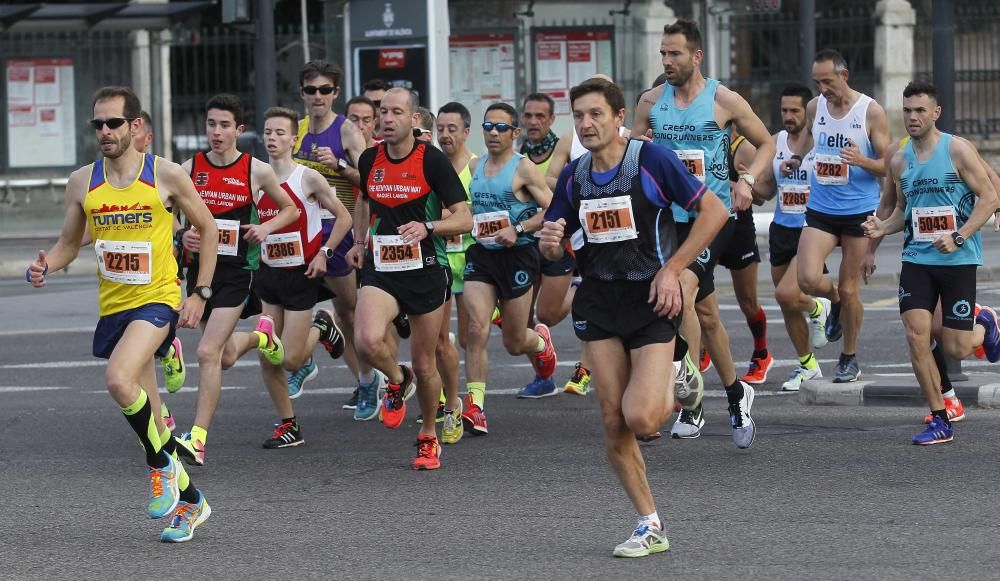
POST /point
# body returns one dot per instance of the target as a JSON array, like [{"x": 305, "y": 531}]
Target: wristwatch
[
  {"x": 958, "y": 238},
  {"x": 327, "y": 251},
  {"x": 748, "y": 178},
  {"x": 518, "y": 227},
  {"x": 342, "y": 164},
  {"x": 205, "y": 292},
  {"x": 430, "y": 227}
]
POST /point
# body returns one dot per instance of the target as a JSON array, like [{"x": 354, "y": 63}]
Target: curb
[{"x": 867, "y": 393}]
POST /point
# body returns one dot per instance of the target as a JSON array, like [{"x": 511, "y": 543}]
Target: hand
[
  {"x": 851, "y": 154},
  {"x": 506, "y": 236},
  {"x": 945, "y": 244},
  {"x": 788, "y": 166},
  {"x": 665, "y": 293},
  {"x": 356, "y": 256},
  {"x": 996, "y": 221},
  {"x": 413, "y": 232},
  {"x": 37, "y": 270},
  {"x": 868, "y": 266},
  {"x": 317, "y": 266},
  {"x": 191, "y": 311},
  {"x": 255, "y": 233},
  {"x": 191, "y": 240},
  {"x": 325, "y": 156},
  {"x": 742, "y": 195},
  {"x": 552, "y": 235},
  {"x": 873, "y": 227},
  {"x": 647, "y": 136}
]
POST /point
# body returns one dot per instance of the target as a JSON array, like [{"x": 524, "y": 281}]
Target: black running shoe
[
  {"x": 402, "y": 325},
  {"x": 833, "y": 327},
  {"x": 286, "y": 435},
  {"x": 329, "y": 333},
  {"x": 351, "y": 403}
]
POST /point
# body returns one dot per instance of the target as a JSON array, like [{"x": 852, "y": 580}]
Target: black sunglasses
[
  {"x": 500, "y": 127},
  {"x": 113, "y": 123},
  {"x": 324, "y": 90}
]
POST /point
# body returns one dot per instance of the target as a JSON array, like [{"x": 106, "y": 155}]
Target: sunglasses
[
  {"x": 500, "y": 127},
  {"x": 324, "y": 90},
  {"x": 113, "y": 123}
]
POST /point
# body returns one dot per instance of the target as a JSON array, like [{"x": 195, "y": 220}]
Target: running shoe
[
  {"x": 579, "y": 384},
  {"x": 538, "y": 389},
  {"x": 268, "y": 343},
  {"x": 394, "y": 404},
  {"x": 759, "y": 366},
  {"x": 744, "y": 429},
  {"x": 704, "y": 361},
  {"x": 438, "y": 416},
  {"x": 369, "y": 402},
  {"x": 298, "y": 378},
  {"x": 352, "y": 402},
  {"x": 799, "y": 375},
  {"x": 174, "y": 370},
  {"x": 168, "y": 420},
  {"x": 330, "y": 335},
  {"x": 645, "y": 540},
  {"x": 402, "y": 324},
  {"x": 834, "y": 330},
  {"x": 497, "y": 318},
  {"x": 688, "y": 424},
  {"x": 690, "y": 388},
  {"x": 987, "y": 317},
  {"x": 937, "y": 432},
  {"x": 453, "y": 427},
  {"x": 286, "y": 435},
  {"x": 817, "y": 335},
  {"x": 428, "y": 453},
  {"x": 847, "y": 369},
  {"x": 163, "y": 491},
  {"x": 187, "y": 517},
  {"x": 979, "y": 352},
  {"x": 474, "y": 417},
  {"x": 191, "y": 450},
  {"x": 544, "y": 362},
  {"x": 953, "y": 406}
]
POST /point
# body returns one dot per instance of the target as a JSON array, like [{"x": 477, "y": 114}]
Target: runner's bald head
[{"x": 410, "y": 97}]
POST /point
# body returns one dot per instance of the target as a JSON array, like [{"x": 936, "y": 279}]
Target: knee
[
  {"x": 614, "y": 424},
  {"x": 848, "y": 292},
  {"x": 444, "y": 350},
  {"x": 957, "y": 348},
  {"x": 424, "y": 368},
  {"x": 294, "y": 361},
  {"x": 344, "y": 319},
  {"x": 809, "y": 282},
  {"x": 641, "y": 422},
  {"x": 477, "y": 332},
  {"x": 786, "y": 297},
  {"x": 366, "y": 342},
  {"x": 513, "y": 344},
  {"x": 119, "y": 385},
  {"x": 547, "y": 316},
  {"x": 918, "y": 339},
  {"x": 709, "y": 321},
  {"x": 749, "y": 305},
  {"x": 209, "y": 354}
]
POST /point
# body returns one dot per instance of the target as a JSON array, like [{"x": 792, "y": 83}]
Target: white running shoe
[
  {"x": 799, "y": 375},
  {"x": 818, "y": 323}
]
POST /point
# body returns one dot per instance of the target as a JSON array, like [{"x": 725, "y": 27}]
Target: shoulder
[
  {"x": 313, "y": 178},
  {"x": 260, "y": 169},
  {"x": 812, "y": 104},
  {"x": 963, "y": 150},
  {"x": 875, "y": 110},
  {"x": 79, "y": 179},
  {"x": 368, "y": 155},
  {"x": 474, "y": 163}
]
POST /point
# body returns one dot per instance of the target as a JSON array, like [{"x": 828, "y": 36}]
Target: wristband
[{"x": 27, "y": 272}]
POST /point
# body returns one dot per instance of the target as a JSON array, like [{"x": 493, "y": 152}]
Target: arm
[
  {"x": 527, "y": 179},
  {"x": 558, "y": 219},
  {"x": 970, "y": 169},
  {"x": 266, "y": 181},
  {"x": 560, "y": 157},
  {"x": 640, "y": 122},
  {"x": 316, "y": 185},
  {"x": 767, "y": 186},
  {"x": 74, "y": 227},
  {"x": 354, "y": 144},
  {"x": 751, "y": 127},
  {"x": 875, "y": 227},
  {"x": 443, "y": 180},
  {"x": 886, "y": 205},
  {"x": 878, "y": 125},
  {"x": 356, "y": 255}
]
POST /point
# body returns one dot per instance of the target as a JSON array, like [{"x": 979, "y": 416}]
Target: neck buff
[{"x": 544, "y": 145}]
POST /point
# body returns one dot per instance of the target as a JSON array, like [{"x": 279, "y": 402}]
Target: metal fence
[{"x": 977, "y": 66}]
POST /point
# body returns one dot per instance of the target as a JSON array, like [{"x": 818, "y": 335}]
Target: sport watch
[
  {"x": 205, "y": 292},
  {"x": 430, "y": 227},
  {"x": 342, "y": 164},
  {"x": 327, "y": 251},
  {"x": 748, "y": 178},
  {"x": 958, "y": 238},
  {"x": 519, "y": 228}
]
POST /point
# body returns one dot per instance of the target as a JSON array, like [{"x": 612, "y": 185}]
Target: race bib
[
  {"x": 794, "y": 198},
  {"x": 229, "y": 236},
  {"x": 931, "y": 223},
  {"x": 831, "y": 170},
  {"x": 454, "y": 244},
  {"x": 485, "y": 226},
  {"x": 283, "y": 250},
  {"x": 124, "y": 262},
  {"x": 394, "y": 255},
  {"x": 608, "y": 219},
  {"x": 694, "y": 160}
]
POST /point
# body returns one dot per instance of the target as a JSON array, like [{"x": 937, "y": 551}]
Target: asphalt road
[{"x": 824, "y": 493}]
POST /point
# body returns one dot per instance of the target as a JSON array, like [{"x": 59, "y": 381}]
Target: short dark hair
[
  {"x": 831, "y": 55},
  {"x": 146, "y": 120},
  {"x": 506, "y": 108},
  {"x": 540, "y": 97},
  {"x": 460, "y": 109},
  {"x": 228, "y": 102},
  {"x": 361, "y": 100},
  {"x": 801, "y": 91},
  {"x": 613, "y": 94},
  {"x": 313, "y": 69},
  {"x": 376, "y": 85},
  {"x": 920, "y": 88},
  {"x": 426, "y": 118},
  {"x": 283, "y": 112},
  {"x": 687, "y": 28},
  {"x": 660, "y": 80},
  {"x": 133, "y": 108}
]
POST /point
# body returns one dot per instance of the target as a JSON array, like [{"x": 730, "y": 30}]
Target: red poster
[
  {"x": 549, "y": 51},
  {"x": 45, "y": 75},
  {"x": 578, "y": 52},
  {"x": 392, "y": 58}
]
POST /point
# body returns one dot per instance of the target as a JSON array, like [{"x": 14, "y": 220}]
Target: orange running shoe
[
  {"x": 394, "y": 405},
  {"x": 473, "y": 417},
  {"x": 953, "y": 406},
  {"x": 428, "y": 453},
  {"x": 759, "y": 366},
  {"x": 544, "y": 362},
  {"x": 704, "y": 362}
]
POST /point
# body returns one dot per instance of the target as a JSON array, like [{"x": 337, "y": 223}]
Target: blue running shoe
[
  {"x": 163, "y": 493},
  {"x": 987, "y": 317},
  {"x": 834, "y": 330},
  {"x": 937, "y": 432},
  {"x": 538, "y": 388},
  {"x": 186, "y": 518},
  {"x": 297, "y": 379},
  {"x": 369, "y": 402}
]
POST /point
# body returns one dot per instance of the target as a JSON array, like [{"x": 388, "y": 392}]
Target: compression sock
[
  {"x": 183, "y": 480},
  {"x": 477, "y": 389},
  {"x": 199, "y": 433},
  {"x": 942, "y": 367},
  {"x": 734, "y": 392},
  {"x": 140, "y": 416},
  {"x": 758, "y": 328}
]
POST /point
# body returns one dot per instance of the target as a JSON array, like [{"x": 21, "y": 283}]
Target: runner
[
  {"x": 625, "y": 311},
  {"x": 330, "y": 144},
  {"x": 424, "y": 131},
  {"x": 509, "y": 196},
  {"x": 792, "y": 189},
  {"x": 692, "y": 115},
  {"x": 405, "y": 185},
  {"x": 374, "y": 90},
  {"x": 362, "y": 113},
  {"x": 850, "y": 135},
  {"x": 946, "y": 198},
  {"x": 122, "y": 199},
  {"x": 228, "y": 181}
]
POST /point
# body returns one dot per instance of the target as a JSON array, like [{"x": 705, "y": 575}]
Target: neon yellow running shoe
[
  {"x": 274, "y": 354},
  {"x": 174, "y": 370},
  {"x": 453, "y": 429},
  {"x": 579, "y": 384}
]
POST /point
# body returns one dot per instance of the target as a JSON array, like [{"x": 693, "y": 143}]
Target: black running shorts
[
  {"x": 921, "y": 285},
  {"x": 513, "y": 271},
  {"x": 604, "y": 310}
]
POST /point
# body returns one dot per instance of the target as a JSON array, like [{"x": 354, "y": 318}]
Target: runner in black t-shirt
[{"x": 404, "y": 186}]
